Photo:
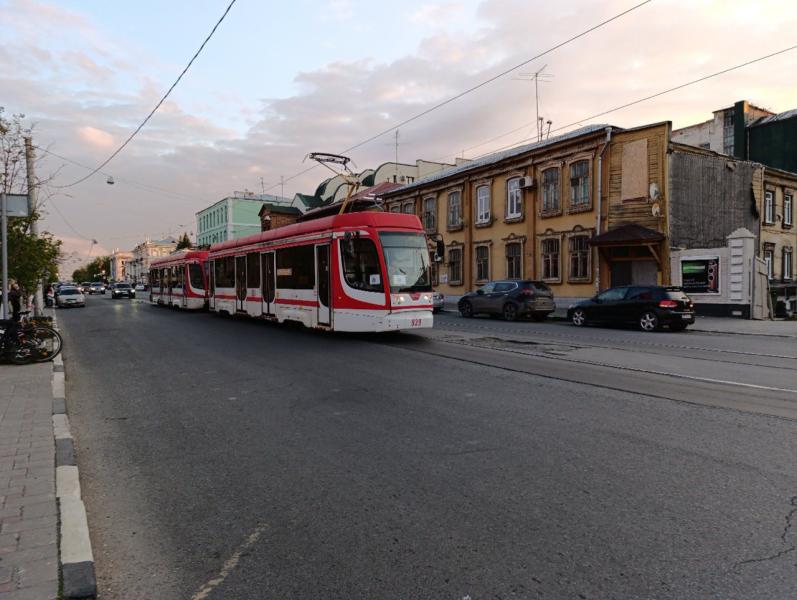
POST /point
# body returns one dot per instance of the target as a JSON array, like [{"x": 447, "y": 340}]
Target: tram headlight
[
  {"x": 400, "y": 300},
  {"x": 427, "y": 298}
]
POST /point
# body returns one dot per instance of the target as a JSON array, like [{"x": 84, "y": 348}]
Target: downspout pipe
[{"x": 600, "y": 205}]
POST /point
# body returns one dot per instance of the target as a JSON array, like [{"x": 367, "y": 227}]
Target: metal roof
[
  {"x": 789, "y": 114},
  {"x": 503, "y": 155}
]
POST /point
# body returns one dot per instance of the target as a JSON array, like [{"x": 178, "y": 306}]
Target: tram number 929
[{"x": 415, "y": 323}]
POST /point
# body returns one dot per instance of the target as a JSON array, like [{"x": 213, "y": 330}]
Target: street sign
[{"x": 17, "y": 205}]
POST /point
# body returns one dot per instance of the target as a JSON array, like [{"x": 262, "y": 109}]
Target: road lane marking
[{"x": 229, "y": 564}]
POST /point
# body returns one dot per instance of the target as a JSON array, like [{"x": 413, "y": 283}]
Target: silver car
[{"x": 70, "y": 296}]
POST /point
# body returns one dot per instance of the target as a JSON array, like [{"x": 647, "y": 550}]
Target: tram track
[
  {"x": 703, "y": 391},
  {"x": 649, "y": 347}
]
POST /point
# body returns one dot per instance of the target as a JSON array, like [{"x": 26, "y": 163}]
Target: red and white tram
[
  {"x": 362, "y": 271},
  {"x": 180, "y": 280}
]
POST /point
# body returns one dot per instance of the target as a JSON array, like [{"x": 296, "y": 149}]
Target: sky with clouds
[{"x": 280, "y": 80}]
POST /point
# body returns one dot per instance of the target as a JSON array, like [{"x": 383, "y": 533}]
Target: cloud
[
  {"x": 96, "y": 137},
  {"x": 102, "y": 95}
]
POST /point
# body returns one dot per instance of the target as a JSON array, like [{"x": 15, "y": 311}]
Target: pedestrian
[
  {"x": 50, "y": 296},
  {"x": 15, "y": 300}
]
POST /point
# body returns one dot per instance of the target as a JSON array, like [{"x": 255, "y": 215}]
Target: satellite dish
[{"x": 654, "y": 191}]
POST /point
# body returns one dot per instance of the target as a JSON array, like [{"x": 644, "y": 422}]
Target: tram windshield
[{"x": 407, "y": 259}]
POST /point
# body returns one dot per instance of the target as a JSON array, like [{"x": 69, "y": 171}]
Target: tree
[
  {"x": 183, "y": 242},
  {"x": 30, "y": 258},
  {"x": 97, "y": 269}
]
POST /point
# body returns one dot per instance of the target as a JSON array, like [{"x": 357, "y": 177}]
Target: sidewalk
[{"x": 28, "y": 511}]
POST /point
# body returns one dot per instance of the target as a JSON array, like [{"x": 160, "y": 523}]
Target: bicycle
[{"x": 30, "y": 340}]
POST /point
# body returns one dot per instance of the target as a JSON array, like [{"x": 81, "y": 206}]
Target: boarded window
[
  {"x": 514, "y": 261},
  {"x": 635, "y": 176},
  {"x": 482, "y": 263}
]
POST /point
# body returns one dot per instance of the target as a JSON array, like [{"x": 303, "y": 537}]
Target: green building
[{"x": 233, "y": 217}]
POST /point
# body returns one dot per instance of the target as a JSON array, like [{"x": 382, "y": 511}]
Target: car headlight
[{"x": 571, "y": 306}]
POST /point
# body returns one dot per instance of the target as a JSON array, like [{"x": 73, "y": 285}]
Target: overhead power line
[
  {"x": 475, "y": 87},
  {"x": 157, "y": 106},
  {"x": 633, "y": 102},
  {"x": 143, "y": 186}
]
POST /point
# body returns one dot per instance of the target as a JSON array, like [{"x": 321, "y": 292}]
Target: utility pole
[
  {"x": 4, "y": 227},
  {"x": 282, "y": 186},
  {"x": 38, "y": 300}
]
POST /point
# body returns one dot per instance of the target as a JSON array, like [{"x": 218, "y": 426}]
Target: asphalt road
[{"x": 233, "y": 459}]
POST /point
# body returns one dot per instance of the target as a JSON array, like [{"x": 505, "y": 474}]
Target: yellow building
[
  {"x": 532, "y": 211},
  {"x": 778, "y": 236}
]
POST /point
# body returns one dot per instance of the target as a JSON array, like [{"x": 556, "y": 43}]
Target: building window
[
  {"x": 550, "y": 190},
  {"x": 579, "y": 257},
  {"x": 579, "y": 184},
  {"x": 395, "y": 208},
  {"x": 550, "y": 258},
  {"x": 454, "y": 210},
  {"x": 786, "y": 269},
  {"x": 514, "y": 203},
  {"x": 482, "y": 263},
  {"x": 769, "y": 207},
  {"x": 514, "y": 261},
  {"x": 728, "y": 132},
  {"x": 768, "y": 259},
  {"x": 430, "y": 214},
  {"x": 455, "y": 266},
  {"x": 410, "y": 179},
  {"x": 788, "y": 210},
  {"x": 408, "y": 208},
  {"x": 483, "y": 205}
]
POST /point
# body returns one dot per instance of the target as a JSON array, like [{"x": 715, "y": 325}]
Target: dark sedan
[
  {"x": 121, "y": 290},
  {"x": 510, "y": 299},
  {"x": 648, "y": 307}
]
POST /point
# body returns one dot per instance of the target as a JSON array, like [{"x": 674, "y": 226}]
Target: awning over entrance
[
  {"x": 632, "y": 252},
  {"x": 627, "y": 235}
]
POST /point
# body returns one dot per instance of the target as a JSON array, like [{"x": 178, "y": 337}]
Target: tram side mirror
[{"x": 440, "y": 253}]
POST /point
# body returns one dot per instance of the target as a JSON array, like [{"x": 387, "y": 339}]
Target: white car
[
  {"x": 438, "y": 301},
  {"x": 70, "y": 296},
  {"x": 140, "y": 287}
]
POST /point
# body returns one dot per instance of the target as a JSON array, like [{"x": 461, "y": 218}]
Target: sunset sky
[{"x": 280, "y": 80}]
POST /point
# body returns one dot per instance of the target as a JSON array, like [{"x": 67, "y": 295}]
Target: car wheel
[
  {"x": 678, "y": 326},
  {"x": 648, "y": 321},
  {"x": 466, "y": 309},
  {"x": 579, "y": 317},
  {"x": 510, "y": 312}
]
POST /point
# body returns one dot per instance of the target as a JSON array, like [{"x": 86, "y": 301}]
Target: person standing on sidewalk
[{"x": 15, "y": 300}]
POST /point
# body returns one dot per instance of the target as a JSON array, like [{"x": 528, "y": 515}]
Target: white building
[
  {"x": 119, "y": 265},
  {"x": 142, "y": 255}
]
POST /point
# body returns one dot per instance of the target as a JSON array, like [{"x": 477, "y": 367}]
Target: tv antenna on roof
[{"x": 537, "y": 77}]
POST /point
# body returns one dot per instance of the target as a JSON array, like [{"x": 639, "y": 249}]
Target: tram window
[
  {"x": 154, "y": 278},
  {"x": 195, "y": 275},
  {"x": 361, "y": 264},
  {"x": 225, "y": 272},
  {"x": 253, "y": 270},
  {"x": 178, "y": 276},
  {"x": 296, "y": 268}
]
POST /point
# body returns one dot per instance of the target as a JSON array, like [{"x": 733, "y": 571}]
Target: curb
[{"x": 75, "y": 557}]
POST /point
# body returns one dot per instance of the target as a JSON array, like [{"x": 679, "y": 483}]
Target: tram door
[
  {"x": 240, "y": 282},
  {"x": 268, "y": 282},
  {"x": 211, "y": 275},
  {"x": 322, "y": 283}
]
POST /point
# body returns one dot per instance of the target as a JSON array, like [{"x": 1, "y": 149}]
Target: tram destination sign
[{"x": 701, "y": 276}]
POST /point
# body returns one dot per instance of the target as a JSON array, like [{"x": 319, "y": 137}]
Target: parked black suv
[
  {"x": 509, "y": 298},
  {"x": 647, "y": 306}
]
